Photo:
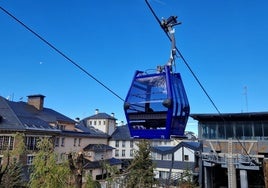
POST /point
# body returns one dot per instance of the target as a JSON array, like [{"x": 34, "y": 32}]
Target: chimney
[
  {"x": 112, "y": 114},
  {"x": 96, "y": 111},
  {"x": 37, "y": 101}
]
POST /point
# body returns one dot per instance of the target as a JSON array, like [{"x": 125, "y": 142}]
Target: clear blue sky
[{"x": 225, "y": 43}]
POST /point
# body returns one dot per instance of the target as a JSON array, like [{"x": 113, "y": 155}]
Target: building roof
[
  {"x": 171, "y": 149},
  {"x": 101, "y": 116},
  {"x": 121, "y": 133},
  {"x": 99, "y": 164},
  {"x": 97, "y": 147},
  {"x": 20, "y": 116},
  {"x": 249, "y": 116}
]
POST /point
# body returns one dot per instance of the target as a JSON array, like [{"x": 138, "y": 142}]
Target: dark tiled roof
[
  {"x": 82, "y": 134},
  {"x": 121, "y": 133},
  {"x": 19, "y": 116},
  {"x": 33, "y": 123},
  {"x": 176, "y": 164},
  {"x": 9, "y": 120},
  {"x": 163, "y": 149},
  {"x": 171, "y": 149},
  {"x": 97, "y": 147},
  {"x": 101, "y": 116},
  {"x": 99, "y": 164}
]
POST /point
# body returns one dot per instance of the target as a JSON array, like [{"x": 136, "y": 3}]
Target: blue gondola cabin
[{"x": 156, "y": 106}]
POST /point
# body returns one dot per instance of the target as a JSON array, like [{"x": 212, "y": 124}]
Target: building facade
[
  {"x": 102, "y": 121},
  {"x": 33, "y": 121},
  {"x": 234, "y": 149},
  {"x": 176, "y": 164},
  {"x": 172, "y": 157}
]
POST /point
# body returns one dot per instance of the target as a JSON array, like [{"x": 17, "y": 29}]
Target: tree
[
  {"x": 186, "y": 180},
  {"x": 140, "y": 172},
  {"x": 91, "y": 183},
  {"x": 114, "y": 177},
  {"x": 46, "y": 172},
  {"x": 13, "y": 176},
  {"x": 3, "y": 169},
  {"x": 76, "y": 167},
  {"x": 12, "y": 173}
]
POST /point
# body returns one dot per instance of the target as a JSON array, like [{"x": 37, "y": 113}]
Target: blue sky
[{"x": 224, "y": 42}]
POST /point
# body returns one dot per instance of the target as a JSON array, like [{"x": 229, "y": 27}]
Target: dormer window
[{"x": 62, "y": 127}]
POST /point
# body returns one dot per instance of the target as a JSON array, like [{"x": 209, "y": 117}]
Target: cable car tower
[{"x": 156, "y": 105}]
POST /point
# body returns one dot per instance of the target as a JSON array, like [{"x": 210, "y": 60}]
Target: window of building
[
  {"x": 186, "y": 157},
  {"x": 163, "y": 175},
  {"x": 79, "y": 141},
  {"x": 30, "y": 159},
  {"x": 31, "y": 142},
  {"x": 123, "y": 143},
  {"x": 62, "y": 142},
  {"x": 154, "y": 155},
  {"x": 265, "y": 129},
  {"x": 158, "y": 156},
  {"x": 131, "y": 153},
  {"x": 99, "y": 122},
  {"x": 57, "y": 141},
  {"x": 221, "y": 131},
  {"x": 104, "y": 122},
  {"x": 6, "y": 142},
  {"x": 167, "y": 157},
  {"x": 248, "y": 130},
  {"x": 75, "y": 140},
  {"x": 123, "y": 153},
  {"x": 258, "y": 129},
  {"x": 239, "y": 130},
  {"x": 62, "y": 127},
  {"x": 95, "y": 122},
  {"x": 117, "y": 153},
  {"x": 90, "y": 122},
  {"x": 229, "y": 131},
  {"x": 117, "y": 143},
  {"x": 131, "y": 143}
]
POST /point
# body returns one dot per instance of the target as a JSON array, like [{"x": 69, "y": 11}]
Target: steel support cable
[
  {"x": 61, "y": 53},
  {"x": 184, "y": 60}
]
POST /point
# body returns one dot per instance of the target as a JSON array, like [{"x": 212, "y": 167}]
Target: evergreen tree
[
  {"x": 91, "y": 183},
  {"x": 140, "y": 173},
  {"x": 12, "y": 176},
  {"x": 46, "y": 172}
]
